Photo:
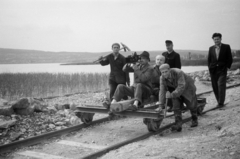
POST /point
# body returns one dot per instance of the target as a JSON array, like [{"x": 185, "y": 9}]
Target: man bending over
[{"x": 178, "y": 86}]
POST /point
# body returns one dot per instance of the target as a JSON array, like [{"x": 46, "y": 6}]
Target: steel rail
[
  {"x": 230, "y": 86},
  {"x": 100, "y": 153},
  {"x": 40, "y": 138}
]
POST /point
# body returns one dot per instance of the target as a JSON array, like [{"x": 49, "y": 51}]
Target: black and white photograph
[{"x": 119, "y": 79}]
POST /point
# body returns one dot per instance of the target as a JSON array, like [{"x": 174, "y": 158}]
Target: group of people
[{"x": 165, "y": 80}]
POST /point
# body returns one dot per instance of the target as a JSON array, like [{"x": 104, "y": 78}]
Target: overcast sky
[{"x": 85, "y": 25}]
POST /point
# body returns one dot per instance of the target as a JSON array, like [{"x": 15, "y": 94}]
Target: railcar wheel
[
  {"x": 86, "y": 118},
  {"x": 153, "y": 125},
  {"x": 200, "y": 110}
]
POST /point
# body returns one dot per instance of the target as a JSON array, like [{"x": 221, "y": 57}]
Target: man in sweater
[
  {"x": 171, "y": 57},
  {"x": 173, "y": 60}
]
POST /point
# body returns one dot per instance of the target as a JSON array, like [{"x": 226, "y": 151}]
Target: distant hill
[{"x": 17, "y": 56}]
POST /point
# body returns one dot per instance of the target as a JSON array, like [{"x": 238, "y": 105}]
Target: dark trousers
[
  {"x": 177, "y": 105},
  {"x": 219, "y": 78},
  {"x": 139, "y": 92},
  {"x": 191, "y": 105},
  {"x": 169, "y": 101},
  {"x": 155, "y": 90},
  {"x": 113, "y": 86}
]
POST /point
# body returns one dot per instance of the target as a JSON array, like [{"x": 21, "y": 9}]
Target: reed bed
[{"x": 16, "y": 85}]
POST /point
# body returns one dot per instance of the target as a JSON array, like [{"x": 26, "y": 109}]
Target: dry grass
[{"x": 16, "y": 85}]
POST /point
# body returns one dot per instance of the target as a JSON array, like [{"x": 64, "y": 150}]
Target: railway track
[{"x": 96, "y": 150}]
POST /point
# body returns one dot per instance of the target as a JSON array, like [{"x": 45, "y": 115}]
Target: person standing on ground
[
  {"x": 171, "y": 57},
  {"x": 219, "y": 61},
  {"x": 117, "y": 76},
  {"x": 173, "y": 60},
  {"x": 176, "y": 85}
]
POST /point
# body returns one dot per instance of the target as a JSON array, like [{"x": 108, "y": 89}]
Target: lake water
[{"x": 57, "y": 68}]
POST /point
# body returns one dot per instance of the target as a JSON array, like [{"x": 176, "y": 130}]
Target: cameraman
[
  {"x": 117, "y": 76},
  {"x": 142, "y": 87}
]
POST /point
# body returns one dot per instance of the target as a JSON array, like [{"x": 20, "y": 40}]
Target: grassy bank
[{"x": 16, "y": 85}]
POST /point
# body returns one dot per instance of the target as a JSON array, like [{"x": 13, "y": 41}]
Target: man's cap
[
  {"x": 116, "y": 44},
  {"x": 168, "y": 42},
  {"x": 164, "y": 66},
  {"x": 145, "y": 54}
]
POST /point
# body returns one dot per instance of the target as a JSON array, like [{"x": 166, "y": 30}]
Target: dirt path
[{"x": 217, "y": 136}]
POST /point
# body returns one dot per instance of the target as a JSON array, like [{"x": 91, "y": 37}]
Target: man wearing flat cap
[
  {"x": 142, "y": 87},
  {"x": 176, "y": 85},
  {"x": 219, "y": 61},
  {"x": 117, "y": 76},
  {"x": 171, "y": 57}
]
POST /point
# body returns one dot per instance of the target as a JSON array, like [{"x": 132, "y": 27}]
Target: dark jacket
[
  {"x": 141, "y": 75},
  {"x": 224, "y": 60},
  {"x": 173, "y": 59},
  {"x": 182, "y": 83},
  {"x": 117, "y": 74},
  {"x": 156, "y": 76}
]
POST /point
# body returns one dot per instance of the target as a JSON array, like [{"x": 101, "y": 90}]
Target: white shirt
[{"x": 217, "y": 50}]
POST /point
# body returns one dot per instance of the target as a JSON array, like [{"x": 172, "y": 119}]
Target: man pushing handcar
[{"x": 178, "y": 86}]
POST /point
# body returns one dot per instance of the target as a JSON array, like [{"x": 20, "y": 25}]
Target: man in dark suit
[
  {"x": 171, "y": 57},
  {"x": 219, "y": 61}
]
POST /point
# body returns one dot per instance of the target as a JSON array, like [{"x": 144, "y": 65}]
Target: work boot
[
  {"x": 194, "y": 121},
  {"x": 133, "y": 107},
  {"x": 178, "y": 121},
  {"x": 178, "y": 125}
]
